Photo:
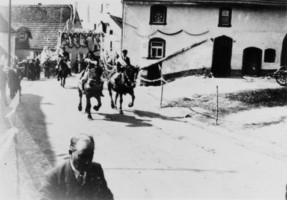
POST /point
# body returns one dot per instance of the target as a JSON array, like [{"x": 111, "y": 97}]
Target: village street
[{"x": 147, "y": 153}]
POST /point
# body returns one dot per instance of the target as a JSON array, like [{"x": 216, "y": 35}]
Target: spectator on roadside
[{"x": 79, "y": 177}]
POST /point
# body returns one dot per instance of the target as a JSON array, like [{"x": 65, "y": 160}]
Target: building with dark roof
[
  {"x": 241, "y": 37},
  {"x": 37, "y": 26}
]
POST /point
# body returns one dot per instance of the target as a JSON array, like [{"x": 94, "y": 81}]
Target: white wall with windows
[{"x": 248, "y": 27}]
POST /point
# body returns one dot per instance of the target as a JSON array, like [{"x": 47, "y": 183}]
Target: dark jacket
[{"x": 60, "y": 183}]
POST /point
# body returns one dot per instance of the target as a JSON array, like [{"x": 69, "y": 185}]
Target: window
[
  {"x": 158, "y": 15},
  {"x": 225, "y": 17},
  {"x": 37, "y": 53},
  {"x": 22, "y": 36},
  {"x": 111, "y": 46},
  {"x": 111, "y": 32},
  {"x": 269, "y": 55},
  {"x": 156, "y": 48}
]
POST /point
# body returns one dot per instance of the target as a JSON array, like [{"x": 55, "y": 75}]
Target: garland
[
  {"x": 171, "y": 34},
  {"x": 79, "y": 40}
]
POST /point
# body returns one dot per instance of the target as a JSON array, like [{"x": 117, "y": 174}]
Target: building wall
[
  {"x": 251, "y": 27},
  {"x": 115, "y": 38},
  {"x": 4, "y": 42}
]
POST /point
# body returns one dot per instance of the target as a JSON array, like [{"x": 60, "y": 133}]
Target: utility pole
[{"x": 9, "y": 34}]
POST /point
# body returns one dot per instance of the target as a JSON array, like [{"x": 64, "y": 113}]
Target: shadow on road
[
  {"x": 71, "y": 87},
  {"x": 137, "y": 122},
  {"x": 142, "y": 113},
  {"x": 33, "y": 141},
  {"x": 132, "y": 121}
]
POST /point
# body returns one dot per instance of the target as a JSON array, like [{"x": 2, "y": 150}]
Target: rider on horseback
[
  {"x": 122, "y": 62},
  {"x": 93, "y": 72},
  {"x": 66, "y": 57}
]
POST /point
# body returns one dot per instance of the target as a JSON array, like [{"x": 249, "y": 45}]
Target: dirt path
[{"x": 149, "y": 153}]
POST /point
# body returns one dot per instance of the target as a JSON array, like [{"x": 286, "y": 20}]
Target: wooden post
[
  {"x": 161, "y": 82},
  {"x": 217, "y": 105},
  {"x": 17, "y": 166},
  {"x": 9, "y": 35}
]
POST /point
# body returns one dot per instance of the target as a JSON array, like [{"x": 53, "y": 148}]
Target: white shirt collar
[{"x": 76, "y": 172}]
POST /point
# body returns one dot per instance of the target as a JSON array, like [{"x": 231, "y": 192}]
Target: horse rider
[
  {"x": 122, "y": 62},
  {"x": 66, "y": 56},
  {"x": 90, "y": 73},
  {"x": 91, "y": 56}
]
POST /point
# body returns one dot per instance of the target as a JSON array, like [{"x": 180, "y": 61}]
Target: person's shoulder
[
  {"x": 57, "y": 169},
  {"x": 96, "y": 165}
]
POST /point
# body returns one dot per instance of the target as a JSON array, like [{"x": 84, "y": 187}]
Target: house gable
[{"x": 43, "y": 22}]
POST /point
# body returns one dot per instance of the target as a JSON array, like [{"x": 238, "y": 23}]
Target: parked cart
[{"x": 281, "y": 76}]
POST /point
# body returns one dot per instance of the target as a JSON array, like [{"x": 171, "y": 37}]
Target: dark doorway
[
  {"x": 221, "y": 61},
  {"x": 153, "y": 73},
  {"x": 284, "y": 52},
  {"x": 252, "y": 60}
]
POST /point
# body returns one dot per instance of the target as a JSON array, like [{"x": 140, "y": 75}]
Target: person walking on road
[{"x": 79, "y": 177}]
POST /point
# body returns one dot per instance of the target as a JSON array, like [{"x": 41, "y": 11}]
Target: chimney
[
  {"x": 95, "y": 26},
  {"x": 102, "y": 7}
]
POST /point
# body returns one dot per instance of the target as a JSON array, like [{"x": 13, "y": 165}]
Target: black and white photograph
[{"x": 143, "y": 99}]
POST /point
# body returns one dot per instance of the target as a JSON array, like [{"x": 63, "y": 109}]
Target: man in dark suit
[{"x": 79, "y": 177}]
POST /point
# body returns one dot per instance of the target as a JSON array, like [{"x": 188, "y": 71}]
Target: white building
[{"x": 237, "y": 37}]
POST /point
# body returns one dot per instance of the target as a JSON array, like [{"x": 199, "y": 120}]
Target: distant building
[
  {"x": 37, "y": 26},
  {"x": 111, "y": 30},
  {"x": 246, "y": 37}
]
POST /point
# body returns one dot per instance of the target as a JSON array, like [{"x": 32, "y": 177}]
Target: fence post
[
  {"x": 161, "y": 83},
  {"x": 217, "y": 105}
]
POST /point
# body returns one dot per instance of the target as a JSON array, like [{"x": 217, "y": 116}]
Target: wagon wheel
[{"x": 281, "y": 78}]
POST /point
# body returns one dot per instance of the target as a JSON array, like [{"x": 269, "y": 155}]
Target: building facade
[
  {"x": 37, "y": 26},
  {"x": 236, "y": 37}
]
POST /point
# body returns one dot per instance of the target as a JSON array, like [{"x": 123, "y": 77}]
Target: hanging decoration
[
  {"x": 88, "y": 40},
  {"x": 175, "y": 33}
]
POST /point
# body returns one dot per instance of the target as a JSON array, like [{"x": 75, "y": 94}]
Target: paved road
[{"x": 146, "y": 153}]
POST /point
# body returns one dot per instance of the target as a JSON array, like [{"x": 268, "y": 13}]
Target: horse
[
  {"x": 92, "y": 88},
  {"x": 123, "y": 83},
  {"x": 63, "y": 72}
]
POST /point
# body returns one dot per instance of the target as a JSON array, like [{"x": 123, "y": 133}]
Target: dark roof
[
  {"x": 4, "y": 25},
  {"x": 117, "y": 20},
  {"x": 41, "y": 21},
  {"x": 218, "y": 2}
]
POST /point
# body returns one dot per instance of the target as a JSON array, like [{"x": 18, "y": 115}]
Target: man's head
[
  {"x": 64, "y": 48},
  {"x": 125, "y": 52},
  {"x": 82, "y": 151}
]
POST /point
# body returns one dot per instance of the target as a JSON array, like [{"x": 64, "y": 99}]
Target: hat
[{"x": 125, "y": 51}]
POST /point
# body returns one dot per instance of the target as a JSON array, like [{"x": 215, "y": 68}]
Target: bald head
[
  {"x": 82, "y": 142},
  {"x": 82, "y": 151}
]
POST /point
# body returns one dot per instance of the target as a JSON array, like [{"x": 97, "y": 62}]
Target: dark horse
[
  {"x": 92, "y": 88},
  {"x": 123, "y": 83},
  {"x": 63, "y": 72}
]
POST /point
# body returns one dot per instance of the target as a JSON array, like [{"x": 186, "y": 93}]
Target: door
[
  {"x": 284, "y": 52},
  {"x": 221, "y": 60},
  {"x": 252, "y": 60}
]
